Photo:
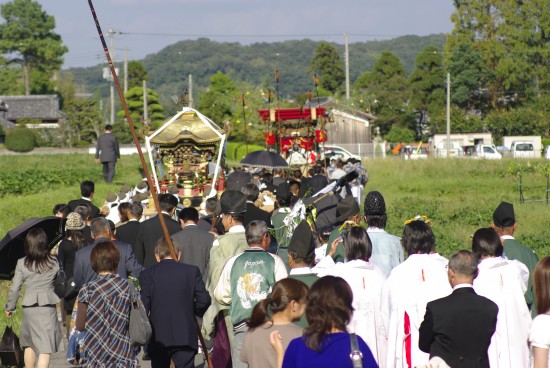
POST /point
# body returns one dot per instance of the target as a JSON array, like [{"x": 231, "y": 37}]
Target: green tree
[
  {"x": 469, "y": 80},
  {"x": 82, "y": 122},
  {"x": 134, "y": 101},
  {"x": 136, "y": 74},
  {"x": 427, "y": 83},
  {"x": 397, "y": 134},
  {"x": 388, "y": 92},
  {"x": 27, "y": 39},
  {"x": 328, "y": 65},
  {"x": 220, "y": 100}
]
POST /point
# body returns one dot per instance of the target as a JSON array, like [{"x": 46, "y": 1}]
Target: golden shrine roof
[{"x": 187, "y": 126}]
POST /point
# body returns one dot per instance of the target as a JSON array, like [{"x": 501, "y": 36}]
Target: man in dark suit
[
  {"x": 458, "y": 328},
  {"x": 107, "y": 152},
  {"x": 87, "y": 188},
  {"x": 319, "y": 180},
  {"x": 150, "y": 231},
  {"x": 101, "y": 232},
  {"x": 173, "y": 294},
  {"x": 194, "y": 242},
  {"x": 128, "y": 232},
  {"x": 251, "y": 191}
]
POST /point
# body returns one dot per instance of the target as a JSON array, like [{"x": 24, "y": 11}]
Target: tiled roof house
[{"x": 39, "y": 107}]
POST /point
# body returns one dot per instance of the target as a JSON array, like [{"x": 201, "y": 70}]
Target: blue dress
[{"x": 335, "y": 353}]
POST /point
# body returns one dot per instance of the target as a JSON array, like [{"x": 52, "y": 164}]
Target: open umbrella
[
  {"x": 265, "y": 160},
  {"x": 12, "y": 245}
]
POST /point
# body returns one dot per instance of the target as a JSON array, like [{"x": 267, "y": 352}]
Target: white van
[
  {"x": 522, "y": 149},
  {"x": 487, "y": 151}
]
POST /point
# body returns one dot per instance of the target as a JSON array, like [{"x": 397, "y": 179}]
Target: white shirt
[
  {"x": 540, "y": 333},
  {"x": 234, "y": 229}
]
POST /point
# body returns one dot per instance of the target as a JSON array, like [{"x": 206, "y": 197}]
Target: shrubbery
[
  {"x": 20, "y": 139},
  {"x": 26, "y": 181}
]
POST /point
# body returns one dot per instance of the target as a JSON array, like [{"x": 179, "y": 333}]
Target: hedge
[
  {"x": 235, "y": 151},
  {"x": 20, "y": 139}
]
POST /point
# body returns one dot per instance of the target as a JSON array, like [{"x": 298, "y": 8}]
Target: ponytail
[{"x": 259, "y": 313}]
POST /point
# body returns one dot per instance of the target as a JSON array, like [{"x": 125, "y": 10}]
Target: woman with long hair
[
  {"x": 539, "y": 336},
  {"x": 40, "y": 333},
  {"x": 366, "y": 281},
  {"x": 104, "y": 312},
  {"x": 285, "y": 304},
  {"x": 73, "y": 241},
  {"x": 326, "y": 342}
]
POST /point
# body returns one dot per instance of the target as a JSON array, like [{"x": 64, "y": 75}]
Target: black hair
[
  {"x": 87, "y": 188},
  {"x": 378, "y": 221},
  {"x": 251, "y": 191},
  {"x": 487, "y": 243},
  {"x": 167, "y": 202},
  {"x": 62, "y": 208},
  {"x": 357, "y": 244},
  {"x": 37, "y": 252},
  {"x": 189, "y": 213},
  {"x": 418, "y": 237}
]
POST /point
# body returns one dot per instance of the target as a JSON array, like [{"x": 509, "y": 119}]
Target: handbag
[
  {"x": 140, "y": 328},
  {"x": 11, "y": 353},
  {"x": 60, "y": 284}
]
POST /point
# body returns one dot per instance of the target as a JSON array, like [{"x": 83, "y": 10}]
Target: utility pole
[
  {"x": 112, "y": 89},
  {"x": 347, "y": 64},
  {"x": 448, "y": 115},
  {"x": 190, "y": 91},
  {"x": 125, "y": 71},
  {"x": 145, "y": 110}
]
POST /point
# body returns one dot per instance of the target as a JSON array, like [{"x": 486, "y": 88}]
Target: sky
[{"x": 144, "y": 27}]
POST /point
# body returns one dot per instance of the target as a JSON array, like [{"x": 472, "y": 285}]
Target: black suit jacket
[
  {"x": 195, "y": 244},
  {"x": 173, "y": 294},
  {"x": 150, "y": 231},
  {"x": 128, "y": 233},
  {"x": 458, "y": 328},
  {"x": 255, "y": 213},
  {"x": 84, "y": 273},
  {"x": 82, "y": 202},
  {"x": 318, "y": 182},
  {"x": 107, "y": 149}
]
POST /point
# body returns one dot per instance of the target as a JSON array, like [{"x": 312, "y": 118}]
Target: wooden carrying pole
[{"x": 140, "y": 153}]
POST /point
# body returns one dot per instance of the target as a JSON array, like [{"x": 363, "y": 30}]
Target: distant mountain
[{"x": 168, "y": 69}]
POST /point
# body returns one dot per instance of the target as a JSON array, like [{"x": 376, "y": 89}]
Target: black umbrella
[
  {"x": 265, "y": 160},
  {"x": 12, "y": 246}
]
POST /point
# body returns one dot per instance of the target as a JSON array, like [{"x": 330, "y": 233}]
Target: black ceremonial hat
[
  {"x": 375, "y": 204},
  {"x": 233, "y": 201},
  {"x": 301, "y": 242},
  {"x": 504, "y": 215},
  {"x": 346, "y": 208}
]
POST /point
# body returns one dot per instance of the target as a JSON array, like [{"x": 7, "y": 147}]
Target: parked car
[
  {"x": 486, "y": 151},
  {"x": 414, "y": 153},
  {"x": 338, "y": 152},
  {"x": 522, "y": 149}
]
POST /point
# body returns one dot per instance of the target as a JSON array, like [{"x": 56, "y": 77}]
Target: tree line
[{"x": 496, "y": 55}]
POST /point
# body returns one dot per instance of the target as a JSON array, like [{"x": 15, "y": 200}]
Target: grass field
[{"x": 459, "y": 195}]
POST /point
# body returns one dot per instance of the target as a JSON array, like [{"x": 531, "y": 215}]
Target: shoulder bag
[
  {"x": 356, "y": 355},
  {"x": 140, "y": 328},
  {"x": 60, "y": 284}
]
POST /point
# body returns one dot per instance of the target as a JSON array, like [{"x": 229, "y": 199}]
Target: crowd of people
[{"x": 267, "y": 293}]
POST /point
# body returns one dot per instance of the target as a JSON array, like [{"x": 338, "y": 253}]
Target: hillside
[{"x": 168, "y": 69}]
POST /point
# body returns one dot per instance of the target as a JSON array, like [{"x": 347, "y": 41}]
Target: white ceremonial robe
[
  {"x": 505, "y": 282},
  {"x": 410, "y": 286},
  {"x": 366, "y": 281}
]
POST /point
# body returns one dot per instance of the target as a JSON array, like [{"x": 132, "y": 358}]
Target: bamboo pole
[{"x": 140, "y": 153}]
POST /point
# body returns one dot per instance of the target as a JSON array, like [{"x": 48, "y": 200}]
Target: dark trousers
[
  {"x": 108, "y": 171},
  {"x": 182, "y": 356}
]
